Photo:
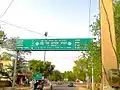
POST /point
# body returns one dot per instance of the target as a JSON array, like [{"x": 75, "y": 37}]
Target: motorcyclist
[
  {"x": 35, "y": 85},
  {"x": 40, "y": 85}
]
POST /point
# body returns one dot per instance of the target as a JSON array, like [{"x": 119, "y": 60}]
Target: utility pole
[
  {"x": 87, "y": 78},
  {"x": 46, "y": 34},
  {"x": 108, "y": 42},
  {"x": 15, "y": 65},
  {"x": 92, "y": 75}
]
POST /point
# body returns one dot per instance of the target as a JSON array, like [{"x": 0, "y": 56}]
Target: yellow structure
[
  {"x": 4, "y": 64},
  {"x": 108, "y": 42}
]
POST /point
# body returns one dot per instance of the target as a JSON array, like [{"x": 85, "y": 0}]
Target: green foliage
[
  {"x": 117, "y": 26},
  {"x": 94, "y": 54},
  {"x": 3, "y": 74},
  {"x": 80, "y": 68},
  {"x": 38, "y": 66},
  {"x": 84, "y": 64},
  {"x": 56, "y": 76},
  {"x": 9, "y": 70},
  {"x": 10, "y": 45},
  {"x": 2, "y": 34},
  {"x": 6, "y": 56},
  {"x": 69, "y": 75},
  {"x": 95, "y": 27}
]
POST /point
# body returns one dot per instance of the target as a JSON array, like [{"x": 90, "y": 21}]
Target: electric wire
[
  {"x": 7, "y": 9},
  {"x": 17, "y": 25},
  {"x": 23, "y": 28}
]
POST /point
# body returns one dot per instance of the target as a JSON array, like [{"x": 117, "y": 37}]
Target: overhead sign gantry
[{"x": 77, "y": 44}]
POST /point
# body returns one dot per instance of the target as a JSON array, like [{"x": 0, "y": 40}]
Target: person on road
[
  {"x": 32, "y": 85},
  {"x": 40, "y": 85},
  {"x": 51, "y": 86},
  {"x": 36, "y": 85}
]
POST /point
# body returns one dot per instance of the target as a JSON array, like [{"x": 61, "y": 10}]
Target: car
[
  {"x": 70, "y": 85},
  {"x": 59, "y": 83}
]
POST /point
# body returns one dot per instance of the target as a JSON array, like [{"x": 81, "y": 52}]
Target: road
[
  {"x": 65, "y": 87},
  {"x": 57, "y": 87}
]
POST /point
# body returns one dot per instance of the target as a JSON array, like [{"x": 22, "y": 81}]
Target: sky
[{"x": 60, "y": 18}]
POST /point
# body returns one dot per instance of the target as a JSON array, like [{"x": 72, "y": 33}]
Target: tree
[
  {"x": 80, "y": 68},
  {"x": 95, "y": 58},
  {"x": 38, "y": 66},
  {"x": 56, "y": 76},
  {"x": 96, "y": 32},
  {"x": 117, "y": 26},
  {"x": 10, "y": 45},
  {"x": 94, "y": 54},
  {"x": 96, "y": 26},
  {"x": 69, "y": 75},
  {"x": 2, "y": 36},
  {"x": 9, "y": 70},
  {"x": 6, "y": 56}
]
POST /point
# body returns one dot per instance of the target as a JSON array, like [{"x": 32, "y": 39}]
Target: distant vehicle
[
  {"x": 59, "y": 83},
  {"x": 70, "y": 85}
]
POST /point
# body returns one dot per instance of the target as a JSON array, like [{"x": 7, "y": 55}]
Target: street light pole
[
  {"x": 87, "y": 78},
  {"x": 46, "y": 34},
  {"x": 44, "y": 56},
  {"x": 15, "y": 65},
  {"x": 92, "y": 75}
]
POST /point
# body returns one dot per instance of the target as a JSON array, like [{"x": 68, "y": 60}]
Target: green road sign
[
  {"x": 37, "y": 76},
  {"x": 78, "y": 44}
]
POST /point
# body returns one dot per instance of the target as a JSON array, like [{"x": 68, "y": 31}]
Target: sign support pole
[
  {"x": 46, "y": 34},
  {"x": 15, "y": 65},
  {"x": 92, "y": 75},
  {"x": 44, "y": 56}
]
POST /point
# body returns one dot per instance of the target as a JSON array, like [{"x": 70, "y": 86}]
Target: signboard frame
[
  {"x": 37, "y": 76},
  {"x": 76, "y": 44}
]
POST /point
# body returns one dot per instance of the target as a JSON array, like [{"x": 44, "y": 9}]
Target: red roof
[{"x": 24, "y": 74}]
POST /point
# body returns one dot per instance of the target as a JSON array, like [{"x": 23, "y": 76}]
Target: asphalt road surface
[
  {"x": 56, "y": 87},
  {"x": 65, "y": 87}
]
